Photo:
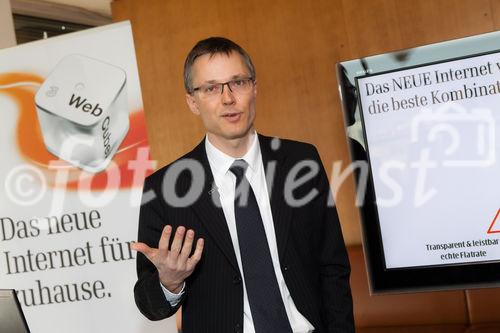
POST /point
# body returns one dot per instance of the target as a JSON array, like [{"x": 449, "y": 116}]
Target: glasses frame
[{"x": 222, "y": 84}]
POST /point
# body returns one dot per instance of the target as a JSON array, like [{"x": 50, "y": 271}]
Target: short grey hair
[{"x": 213, "y": 46}]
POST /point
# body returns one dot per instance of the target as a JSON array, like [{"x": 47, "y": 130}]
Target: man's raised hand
[{"x": 173, "y": 265}]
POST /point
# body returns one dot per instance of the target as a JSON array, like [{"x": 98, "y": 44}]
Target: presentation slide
[{"x": 432, "y": 143}]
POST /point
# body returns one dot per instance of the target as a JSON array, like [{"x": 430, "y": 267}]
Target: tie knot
[{"x": 238, "y": 168}]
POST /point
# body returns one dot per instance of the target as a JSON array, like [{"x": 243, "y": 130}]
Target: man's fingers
[
  {"x": 165, "y": 239},
  {"x": 176, "y": 246},
  {"x": 144, "y": 249},
  {"x": 188, "y": 245},
  {"x": 197, "y": 254}
]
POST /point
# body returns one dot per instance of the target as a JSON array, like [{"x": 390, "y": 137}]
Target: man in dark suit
[{"x": 256, "y": 244}]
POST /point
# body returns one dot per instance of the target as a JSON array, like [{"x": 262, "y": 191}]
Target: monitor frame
[
  {"x": 15, "y": 312},
  {"x": 420, "y": 278}
]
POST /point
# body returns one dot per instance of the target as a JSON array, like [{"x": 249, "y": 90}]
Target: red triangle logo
[{"x": 490, "y": 230}]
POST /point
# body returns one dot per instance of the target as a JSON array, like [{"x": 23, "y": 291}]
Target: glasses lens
[
  {"x": 240, "y": 85},
  {"x": 211, "y": 89}
]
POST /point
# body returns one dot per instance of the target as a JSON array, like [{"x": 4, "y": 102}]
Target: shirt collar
[{"x": 220, "y": 162}]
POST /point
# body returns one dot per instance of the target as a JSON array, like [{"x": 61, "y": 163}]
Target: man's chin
[{"x": 239, "y": 134}]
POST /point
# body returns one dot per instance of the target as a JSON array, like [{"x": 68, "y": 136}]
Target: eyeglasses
[{"x": 237, "y": 86}]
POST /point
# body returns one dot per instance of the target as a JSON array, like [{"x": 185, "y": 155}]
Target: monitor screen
[
  {"x": 12, "y": 319},
  {"x": 423, "y": 132}
]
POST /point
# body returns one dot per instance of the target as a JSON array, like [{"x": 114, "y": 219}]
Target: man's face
[{"x": 229, "y": 115}]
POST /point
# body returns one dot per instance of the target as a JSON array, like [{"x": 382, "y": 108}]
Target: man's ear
[{"x": 191, "y": 102}]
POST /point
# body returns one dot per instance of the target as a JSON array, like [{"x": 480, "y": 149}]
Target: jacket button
[
  {"x": 237, "y": 328},
  {"x": 236, "y": 279},
  {"x": 285, "y": 268}
]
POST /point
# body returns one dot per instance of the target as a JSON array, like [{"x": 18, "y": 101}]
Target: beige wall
[
  {"x": 295, "y": 45},
  {"x": 7, "y": 34}
]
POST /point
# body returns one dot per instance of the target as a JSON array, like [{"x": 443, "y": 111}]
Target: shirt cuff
[{"x": 172, "y": 298}]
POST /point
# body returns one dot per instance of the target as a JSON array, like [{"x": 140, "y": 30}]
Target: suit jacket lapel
[
  {"x": 209, "y": 210},
  {"x": 274, "y": 161}
]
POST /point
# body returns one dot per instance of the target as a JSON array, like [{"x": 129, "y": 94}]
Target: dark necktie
[{"x": 266, "y": 303}]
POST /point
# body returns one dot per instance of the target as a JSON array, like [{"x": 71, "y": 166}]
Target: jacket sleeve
[
  {"x": 334, "y": 269},
  {"x": 149, "y": 296}
]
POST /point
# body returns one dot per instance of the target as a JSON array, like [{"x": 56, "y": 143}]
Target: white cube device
[{"x": 83, "y": 111}]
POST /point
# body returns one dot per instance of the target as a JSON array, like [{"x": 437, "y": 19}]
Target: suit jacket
[{"x": 311, "y": 249}]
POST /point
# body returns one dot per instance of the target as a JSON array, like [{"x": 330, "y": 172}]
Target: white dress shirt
[{"x": 225, "y": 181}]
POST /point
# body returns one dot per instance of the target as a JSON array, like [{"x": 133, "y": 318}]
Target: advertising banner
[
  {"x": 432, "y": 146},
  {"x": 74, "y": 154}
]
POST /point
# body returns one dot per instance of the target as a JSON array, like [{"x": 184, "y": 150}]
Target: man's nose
[{"x": 227, "y": 95}]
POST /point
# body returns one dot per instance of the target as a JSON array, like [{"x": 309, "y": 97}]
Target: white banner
[{"x": 74, "y": 155}]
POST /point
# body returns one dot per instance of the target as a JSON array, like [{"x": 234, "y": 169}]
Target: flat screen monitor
[
  {"x": 423, "y": 126},
  {"x": 12, "y": 319}
]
